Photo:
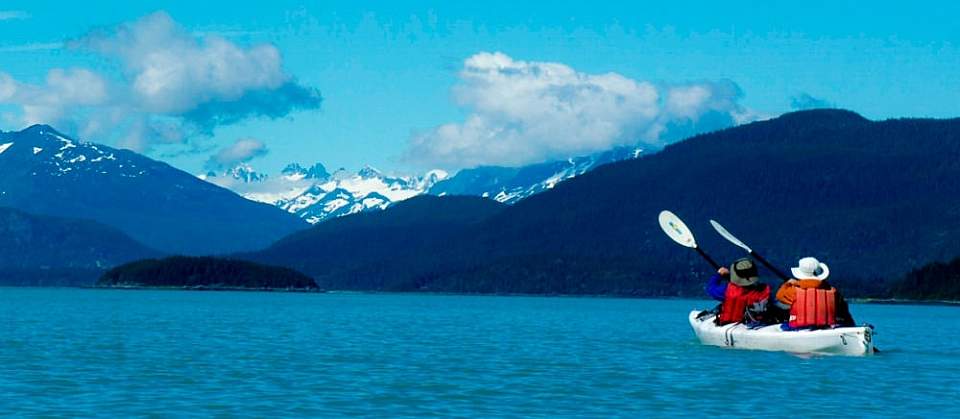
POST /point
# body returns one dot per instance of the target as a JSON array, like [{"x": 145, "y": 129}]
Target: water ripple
[{"x": 98, "y": 352}]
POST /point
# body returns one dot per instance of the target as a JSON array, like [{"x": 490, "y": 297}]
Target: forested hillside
[
  {"x": 872, "y": 199},
  {"x": 363, "y": 251},
  {"x": 934, "y": 281},
  {"x": 42, "y": 250}
]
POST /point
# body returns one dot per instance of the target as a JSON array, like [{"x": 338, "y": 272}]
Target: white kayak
[{"x": 853, "y": 341}]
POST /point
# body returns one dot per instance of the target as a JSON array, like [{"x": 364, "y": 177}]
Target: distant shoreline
[
  {"x": 901, "y": 301},
  {"x": 863, "y": 300},
  {"x": 200, "y": 288},
  {"x": 858, "y": 300}
]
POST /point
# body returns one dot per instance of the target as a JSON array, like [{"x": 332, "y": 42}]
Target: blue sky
[{"x": 399, "y": 92}]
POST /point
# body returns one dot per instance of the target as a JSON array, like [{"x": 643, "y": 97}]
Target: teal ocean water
[{"x": 120, "y": 353}]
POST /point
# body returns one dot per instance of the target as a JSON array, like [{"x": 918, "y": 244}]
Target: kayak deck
[{"x": 852, "y": 341}]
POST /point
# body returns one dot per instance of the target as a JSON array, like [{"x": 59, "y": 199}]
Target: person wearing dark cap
[{"x": 743, "y": 299}]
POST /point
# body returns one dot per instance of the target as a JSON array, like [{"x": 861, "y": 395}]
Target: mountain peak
[
  {"x": 293, "y": 168},
  {"x": 369, "y": 172},
  {"x": 245, "y": 173},
  {"x": 39, "y": 129},
  {"x": 295, "y": 171},
  {"x": 437, "y": 175},
  {"x": 42, "y": 133},
  {"x": 45, "y": 172}
]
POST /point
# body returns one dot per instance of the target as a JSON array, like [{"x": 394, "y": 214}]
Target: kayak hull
[{"x": 850, "y": 341}]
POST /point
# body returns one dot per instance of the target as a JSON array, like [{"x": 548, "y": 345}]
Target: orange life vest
[
  {"x": 814, "y": 307},
  {"x": 736, "y": 299}
]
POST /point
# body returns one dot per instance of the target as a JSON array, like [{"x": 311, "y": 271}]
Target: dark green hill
[
  {"x": 204, "y": 272},
  {"x": 360, "y": 250},
  {"x": 873, "y": 199},
  {"x": 934, "y": 281},
  {"x": 42, "y": 250}
]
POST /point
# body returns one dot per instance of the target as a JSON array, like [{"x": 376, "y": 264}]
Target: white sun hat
[{"x": 810, "y": 268}]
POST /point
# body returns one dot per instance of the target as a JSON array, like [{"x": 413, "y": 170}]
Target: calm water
[{"x": 82, "y": 352}]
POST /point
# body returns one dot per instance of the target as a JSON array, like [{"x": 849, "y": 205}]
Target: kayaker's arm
[
  {"x": 717, "y": 285},
  {"x": 844, "y": 318},
  {"x": 787, "y": 293}
]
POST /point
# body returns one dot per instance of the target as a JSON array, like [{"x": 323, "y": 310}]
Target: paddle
[
  {"x": 732, "y": 239},
  {"x": 678, "y": 231}
]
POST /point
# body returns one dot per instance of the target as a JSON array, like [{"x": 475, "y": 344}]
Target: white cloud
[
  {"x": 241, "y": 151},
  {"x": 63, "y": 89},
  {"x": 8, "y": 87},
  {"x": 173, "y": 86},
  {"x": 173, "y": 72},
  {"x": 143, "y": 132},
  {"x": 523, "y": 112}
]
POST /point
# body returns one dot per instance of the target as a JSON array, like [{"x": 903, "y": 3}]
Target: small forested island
[{"x": 205, "y": 273}]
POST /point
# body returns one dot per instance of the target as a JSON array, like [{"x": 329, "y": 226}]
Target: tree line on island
[{"x": 205, "y": 273}]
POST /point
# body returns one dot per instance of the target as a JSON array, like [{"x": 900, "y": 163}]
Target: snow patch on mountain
[
  {"x": 344, "y": 193},
  {"x": 46, "y": 172},
  {"x": 315, "y": 195},
  {"x": 72, "y": 156},
  {"x": 511, "y": 184}
]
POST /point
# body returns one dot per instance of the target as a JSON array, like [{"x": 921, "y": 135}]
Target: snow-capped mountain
[
  {"x": 295, "y": 171},
  {"x": 241, "y": 173},
  {"x": 315, "y": 195},
  {"x": 511, "y": 184},
  {"x": 44, "y": 172},
  {"x": 344, "y": 193}
]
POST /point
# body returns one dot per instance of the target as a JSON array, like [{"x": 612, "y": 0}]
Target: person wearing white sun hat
[{"x": 812, "y": 301}]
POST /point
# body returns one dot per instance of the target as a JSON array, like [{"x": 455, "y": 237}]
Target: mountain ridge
[
  {"x": 316, "y": 195},
  {"x": 45, "y": 172},
  {"x": 807, "y": 183}
]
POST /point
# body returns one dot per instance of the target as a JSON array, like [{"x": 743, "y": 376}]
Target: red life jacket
[
  {"x": 736, "y": 299},
  {"x": 814, "y": 307}
]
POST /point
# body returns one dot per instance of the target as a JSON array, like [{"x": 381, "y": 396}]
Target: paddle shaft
[
  {"x": 713, "y": 263},
  {"x": 739, "y": 243},
  {"x": 770, "y": 266}
]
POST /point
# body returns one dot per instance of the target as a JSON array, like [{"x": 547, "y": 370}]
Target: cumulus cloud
[
  {"x": 521, "y": 112},
  {"x": 8, "y": 87},
  {"x": 173, "y": 85},
  {"x": 173, "y": 72},
  {"x": 62, "y": 90},
  {"x": 271, "y": 103},
  {"x": 241, "y": 151},
  {"x": 804, "y": 101}
]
